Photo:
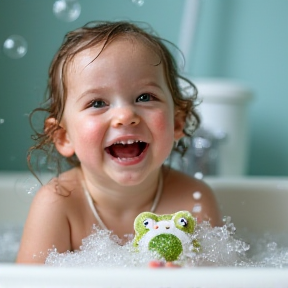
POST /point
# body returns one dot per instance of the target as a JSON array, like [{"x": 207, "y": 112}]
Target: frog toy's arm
[{"x": 166, "y": 234}]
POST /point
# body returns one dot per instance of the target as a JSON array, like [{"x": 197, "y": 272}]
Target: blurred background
[{"x": 242, "y": 41}]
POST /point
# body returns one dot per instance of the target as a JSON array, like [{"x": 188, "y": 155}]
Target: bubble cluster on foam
[
  {"x": 270, "y": 254},
  {"x": 219, "y": 247},
  {"x": 101, "y": 249}
]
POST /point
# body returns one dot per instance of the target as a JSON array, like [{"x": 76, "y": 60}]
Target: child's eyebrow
[
  {"x": 89, "y": 91},
  {"x": 153, "y": 84},
  {"x": 97, "y": 90}
]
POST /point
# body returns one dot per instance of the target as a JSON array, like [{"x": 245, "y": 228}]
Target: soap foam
[
  {"x": 219, "y": 247},
  {"x": 101, "y": 249}
]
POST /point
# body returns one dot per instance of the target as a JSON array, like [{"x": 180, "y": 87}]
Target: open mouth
[{"x": 126, "y": 149}]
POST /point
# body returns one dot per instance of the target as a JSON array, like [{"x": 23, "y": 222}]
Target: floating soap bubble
[
  {"x": 66, "y": 10},
  {"x": 199, "y": 175},
  {"x": 15, "y": 47},
  {"x": 226, "y": 220},
  {"x": 272, "y": 246},
  {"x": 197, "y": 208},
  {"x": 138, "y": 2},
  {"x": 197, "y": 195}
]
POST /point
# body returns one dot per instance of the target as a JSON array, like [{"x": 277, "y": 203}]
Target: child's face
[{"x": 121, "y": 97}]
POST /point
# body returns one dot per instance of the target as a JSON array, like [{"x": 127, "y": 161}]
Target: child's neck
[{"x": 117, "y": 209}]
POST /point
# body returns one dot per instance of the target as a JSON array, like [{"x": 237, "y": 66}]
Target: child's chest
[{"x": 81, "y": 221}]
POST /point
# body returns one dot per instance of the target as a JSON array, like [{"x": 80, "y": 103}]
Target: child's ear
[
  {"x": 179, "y": 124},
  {"x": 60, "y": 137}
]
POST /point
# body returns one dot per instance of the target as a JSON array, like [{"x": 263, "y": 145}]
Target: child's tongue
[{"x": 125, "y": 150}]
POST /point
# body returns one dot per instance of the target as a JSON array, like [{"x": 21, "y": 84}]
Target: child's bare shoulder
[
  {"x": 50, "y": 216},
  {"x": 186, "y": 183},
  {"x": 60, "y": 189},
  {"x": 188, "y": 193}
]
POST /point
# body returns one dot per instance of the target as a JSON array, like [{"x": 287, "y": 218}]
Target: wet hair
[{"x": 95, "y": 33}]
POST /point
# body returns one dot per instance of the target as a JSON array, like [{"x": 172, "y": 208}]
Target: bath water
[
  {"x": 10, "y": 236},
  {"x": 219, "y": 247}
]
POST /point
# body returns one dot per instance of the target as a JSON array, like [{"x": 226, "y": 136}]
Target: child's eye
[
  {"x": 98, "y": 104},
  {"x": 146, "y": 97}
]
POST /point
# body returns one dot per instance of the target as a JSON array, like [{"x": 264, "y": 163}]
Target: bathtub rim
[
  {"x": 33, "y": 276},
  {"x": 11, "y": 176}
]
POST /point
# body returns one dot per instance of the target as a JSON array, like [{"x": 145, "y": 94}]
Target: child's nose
[{"x": 125, "y": 116}]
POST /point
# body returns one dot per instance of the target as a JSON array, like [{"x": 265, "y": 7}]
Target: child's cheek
[
  {"x": 163, "y": 121},
  {"x": 163, "y": 127},
  {"x": 89, "y": 134}
]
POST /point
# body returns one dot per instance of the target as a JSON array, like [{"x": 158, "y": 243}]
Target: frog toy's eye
[
  {"x": 148, "y": 223},
  {"x": 183, "y": 222}
]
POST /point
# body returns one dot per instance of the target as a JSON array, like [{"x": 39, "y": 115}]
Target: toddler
[{"x": 114, "y": 111}]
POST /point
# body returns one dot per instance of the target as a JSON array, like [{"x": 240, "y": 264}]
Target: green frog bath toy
[{"x": 168, "y": 235}]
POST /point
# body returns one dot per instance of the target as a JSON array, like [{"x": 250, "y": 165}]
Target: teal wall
[
  {"x": 248, "y": 40},
  {"x": 239, "y": 39}
]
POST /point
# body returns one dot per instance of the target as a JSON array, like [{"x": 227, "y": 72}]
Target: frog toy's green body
[{"x": 167, "y": 234}]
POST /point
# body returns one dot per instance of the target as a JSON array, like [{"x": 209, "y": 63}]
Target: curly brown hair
[{"x": 95, "y": 33}]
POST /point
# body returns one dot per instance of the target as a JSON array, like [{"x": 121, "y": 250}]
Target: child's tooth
[
  {"x": 130, "y": 141},
  {"x": 125, "y": 159}
]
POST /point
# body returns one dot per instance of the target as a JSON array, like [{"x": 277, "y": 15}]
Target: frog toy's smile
[{"x": 168, "y": 235}]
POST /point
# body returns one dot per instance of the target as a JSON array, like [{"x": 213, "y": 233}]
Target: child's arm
[{"x": 46, "y": 226}]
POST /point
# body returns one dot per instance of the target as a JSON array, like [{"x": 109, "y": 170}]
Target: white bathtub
[{"x": 256, "y": 204}]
